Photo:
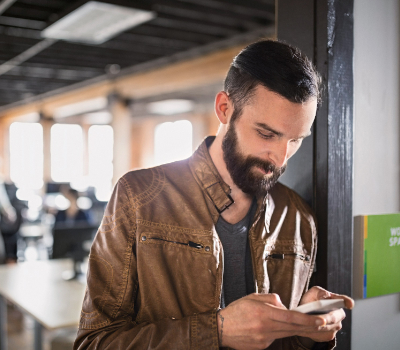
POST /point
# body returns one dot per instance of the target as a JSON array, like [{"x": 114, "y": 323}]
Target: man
[
  {"x": 210, "y": 252},
  {"x": 10, "y": 222}
]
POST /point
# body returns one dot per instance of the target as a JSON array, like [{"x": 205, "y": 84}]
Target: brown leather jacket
[{"x": 156, "y": 264}]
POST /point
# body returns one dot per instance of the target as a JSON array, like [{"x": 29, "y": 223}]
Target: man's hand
[
  {"x": 333, "y": 319},
  {"x": 255, "y": 321}
]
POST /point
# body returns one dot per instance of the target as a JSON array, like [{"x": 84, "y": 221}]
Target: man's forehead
[{"x": 274, "y": 113}]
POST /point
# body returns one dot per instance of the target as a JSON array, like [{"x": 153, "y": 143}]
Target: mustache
[{"x": 265, "y": 165}]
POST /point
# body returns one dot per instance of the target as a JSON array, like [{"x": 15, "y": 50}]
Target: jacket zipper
[
  {"x": 254, "y": 222},
  {"x": 222, "y": 273},
  {"x": 252, "y": 260},
  {"x": 190, "y": 243},
  {"x": 282, "y": 256}
]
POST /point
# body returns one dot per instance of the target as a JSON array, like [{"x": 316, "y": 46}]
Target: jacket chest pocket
[
  {"x": 155, "y": 238},
  {"x": 288, "y": 272},
  {"x": 178, "y": 270},
  {"x": 281, "y": 256}
]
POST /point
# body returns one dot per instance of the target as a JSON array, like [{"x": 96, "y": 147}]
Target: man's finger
[
  {"x": 348, "y": 302},
  {"x": 312, "y": 333},
  {"x": 297, "y": 318},
  {"x": 322, "y": 293},
  {"x": 334, "y": 316},
  {"x": 272, "y": 299}
]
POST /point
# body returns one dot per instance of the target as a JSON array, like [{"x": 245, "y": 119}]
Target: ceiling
[{"x": 31, "y": 65}]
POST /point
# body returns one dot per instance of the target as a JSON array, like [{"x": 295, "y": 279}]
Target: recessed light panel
[
  {"x": 82, "y": 107},
  {"x": 96, "y": 22},
  {"x": 170, "y": 107}
]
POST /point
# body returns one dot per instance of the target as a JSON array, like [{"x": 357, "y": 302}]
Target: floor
[
  {"x": 20, "y": 327},
  {"x": 20, "y": 331}
]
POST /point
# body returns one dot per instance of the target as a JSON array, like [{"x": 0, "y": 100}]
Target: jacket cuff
[
  {"x": 317, "y": 346},
  {"x": 204, "y": 331}
]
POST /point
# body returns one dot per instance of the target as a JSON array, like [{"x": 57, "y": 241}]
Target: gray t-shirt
[{"x": 238, "y": 280}]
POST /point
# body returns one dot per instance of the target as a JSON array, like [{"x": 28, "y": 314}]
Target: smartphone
[{"x": 320, "y": 307}]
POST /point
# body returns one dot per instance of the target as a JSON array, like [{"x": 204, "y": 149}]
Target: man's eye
[{"x": 265, "y": 136}]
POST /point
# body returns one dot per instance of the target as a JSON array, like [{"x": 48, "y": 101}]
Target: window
[
  {"x": 172, "y": 141},
  {"x": 66, "y": 152},
  {"x": 100, "y": 147},
  {"x": 26, "y": 155}
]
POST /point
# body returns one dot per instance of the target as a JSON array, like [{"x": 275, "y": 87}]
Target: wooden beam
[
  {"x": 121, "y": 123},
  {"x": 46, "y": 124},
  {"x": 190, "y": 73}
]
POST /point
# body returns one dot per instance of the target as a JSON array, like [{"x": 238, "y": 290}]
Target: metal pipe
[
  {"x": 5, "y": 4},
  {"x": 26, "y": 55}
]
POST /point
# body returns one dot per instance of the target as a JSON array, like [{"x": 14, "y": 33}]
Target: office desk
[{"x": 38, "y": 289}]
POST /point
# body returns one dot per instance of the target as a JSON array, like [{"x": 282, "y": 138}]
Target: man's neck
[{"x": 242, "y": 201}]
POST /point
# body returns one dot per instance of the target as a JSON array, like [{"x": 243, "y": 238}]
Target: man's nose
[{"x": 279, "y": 155}]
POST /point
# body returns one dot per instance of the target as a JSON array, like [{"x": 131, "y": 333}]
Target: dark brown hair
[{"x": 275, "y": 65}]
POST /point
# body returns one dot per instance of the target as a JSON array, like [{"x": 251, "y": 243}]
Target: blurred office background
[
  {"x": 88, "y": 91},
  {"x": 82, "y": 101}
]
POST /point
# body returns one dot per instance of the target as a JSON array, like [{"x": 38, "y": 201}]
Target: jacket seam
[
  {"x": 152, "y": 191},
  {"x": 115, "y": 226},
  {"x": 127, "y": 258},
  {"x": 121, "y": 208},
  {"x": 85, "y": 325},
  {"x": 194, "y": 331},
  {"x": 109, "y": 282}
]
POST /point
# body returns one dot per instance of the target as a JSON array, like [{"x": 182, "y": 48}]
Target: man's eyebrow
[
  {"x": 277, "y": 133},
  {"x": 268, "y": 128}
]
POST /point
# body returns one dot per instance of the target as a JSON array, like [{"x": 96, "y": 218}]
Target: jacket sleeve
[{"x": 108, "y": 318}]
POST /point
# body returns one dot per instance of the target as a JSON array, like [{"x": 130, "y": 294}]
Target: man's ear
[{"x": 223, "y": 107}]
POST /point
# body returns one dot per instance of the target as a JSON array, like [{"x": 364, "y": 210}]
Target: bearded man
[{"x": 211, "y": 251}]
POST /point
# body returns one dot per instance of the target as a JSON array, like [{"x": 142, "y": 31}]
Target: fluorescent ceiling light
[
  {"x": 103, "y": 117},
  {"x": 94, "y": 104},
  {"x": 170, "y": 107},
  {"x": 96, "y": 22}
]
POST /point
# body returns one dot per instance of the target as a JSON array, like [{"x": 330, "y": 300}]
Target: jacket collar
[{"x": 207, "y": 176}]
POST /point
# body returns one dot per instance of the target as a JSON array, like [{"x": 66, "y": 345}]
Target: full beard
[{"x": 243, "y": 170}]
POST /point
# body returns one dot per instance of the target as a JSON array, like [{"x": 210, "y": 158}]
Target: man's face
[
  {"x": 259, "y": 142},
  {"x": 243, "y": 168}
]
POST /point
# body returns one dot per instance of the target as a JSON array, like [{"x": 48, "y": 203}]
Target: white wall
[{"x": 376, "y": 321}]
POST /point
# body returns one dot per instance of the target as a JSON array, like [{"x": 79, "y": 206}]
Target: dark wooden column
[
  {"x": 331, "y": 37},
  {"x": 334, "y": 150}
]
